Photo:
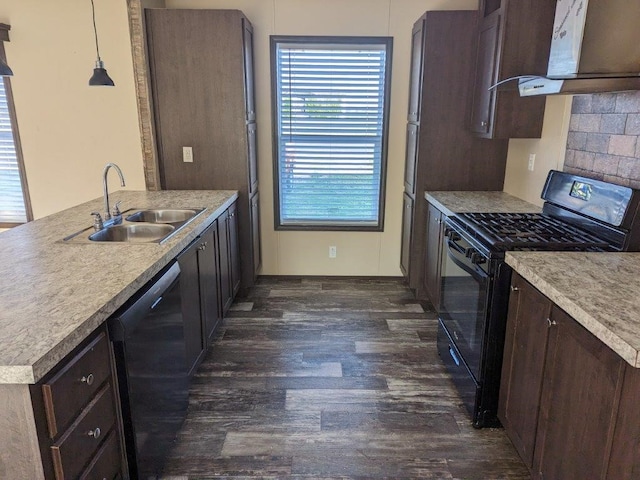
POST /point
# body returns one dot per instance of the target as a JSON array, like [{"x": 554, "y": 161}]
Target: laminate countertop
[
  {"x": 451, "y": 203},
  {"x": 53, "y": 294},
  {"x": 601, "y": 291}
]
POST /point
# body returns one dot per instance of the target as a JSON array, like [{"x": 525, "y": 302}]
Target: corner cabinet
[
  {"x": 567, "y": 401},
  {"x": 201, "y": 69},
  {"x": 514, "y": 38},
  {"x": 441, "y": 153}
]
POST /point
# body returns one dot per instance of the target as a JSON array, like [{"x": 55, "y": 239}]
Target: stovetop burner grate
[{"x": 516, "y": 231}]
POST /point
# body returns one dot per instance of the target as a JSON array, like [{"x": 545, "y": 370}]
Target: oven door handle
[{"x": 477, "y": 273}]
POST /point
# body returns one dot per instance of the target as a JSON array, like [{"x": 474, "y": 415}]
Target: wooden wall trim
[{"x": 143, "y": 94}]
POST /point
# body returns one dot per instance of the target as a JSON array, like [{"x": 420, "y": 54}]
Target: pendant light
[
  {"x": 100, "y": 76},
  {"x": 5, "y": 71}
]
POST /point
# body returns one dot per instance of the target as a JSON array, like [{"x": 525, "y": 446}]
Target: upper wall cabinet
[{"x": 514, "y": 38}]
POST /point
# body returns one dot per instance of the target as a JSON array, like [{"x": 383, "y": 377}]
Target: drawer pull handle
[
  {"x": 95, "y": 433},
  {"x": 514, "y": 289},
  {"x": 88, "y": 379}
]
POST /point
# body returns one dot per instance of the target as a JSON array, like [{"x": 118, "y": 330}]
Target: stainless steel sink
[
  {"x": 141, "y": 233},
  {"x": 162, "y": 215},
  {"x": 139, "y": 225}
]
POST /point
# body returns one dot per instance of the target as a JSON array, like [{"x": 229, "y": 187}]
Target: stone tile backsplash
[{"x": 603, "y": 140}]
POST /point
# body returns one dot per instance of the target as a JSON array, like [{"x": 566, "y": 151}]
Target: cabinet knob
[
  {"x": 551, "y": 323},
  {"x": 95, "y": 433},
  {"x": 484, "y": 123},
  {"x": 88, "y": 379},
  {"x": 514, "y": 288}
]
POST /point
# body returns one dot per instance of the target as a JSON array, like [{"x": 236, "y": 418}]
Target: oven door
[{"x": 464, "y": 293}]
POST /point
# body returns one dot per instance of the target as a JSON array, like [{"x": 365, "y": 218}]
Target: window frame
[
  {"x": 330, "y": 40},
  {"x": 4, "y": 37}
]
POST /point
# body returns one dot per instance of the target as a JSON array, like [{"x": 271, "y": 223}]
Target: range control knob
[{"x": 477, "y": 258}]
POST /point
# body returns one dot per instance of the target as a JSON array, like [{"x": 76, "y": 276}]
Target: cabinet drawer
[
  {"x": 76, "y": 447},
  {"x": 75, "y": 384},
  {"x": 106, "y": 464}
]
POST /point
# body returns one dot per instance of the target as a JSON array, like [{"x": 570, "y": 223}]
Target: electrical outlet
[
  {"x": 187, "y": 154},
  {"x": 532, "y": 161},
  {"x": 333, "y": 252}
]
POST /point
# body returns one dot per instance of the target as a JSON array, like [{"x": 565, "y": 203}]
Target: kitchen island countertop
[
  {"x": 454, "y": 202},
  {"x": 54, "y": 294},
  {"x": 601, "y": 291}
]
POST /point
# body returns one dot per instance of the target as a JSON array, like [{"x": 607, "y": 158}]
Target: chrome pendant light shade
[
  {"x": 5, "y": 71},
  {"x": 100, "y": 76}
]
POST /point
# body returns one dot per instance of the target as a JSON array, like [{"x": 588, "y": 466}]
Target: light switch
[
  {"x": 187, "y": 154},
  {"x": 532, "y": 161}
]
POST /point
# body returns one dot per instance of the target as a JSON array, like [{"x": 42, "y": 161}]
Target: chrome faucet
[{"x": 105, "y": 189}]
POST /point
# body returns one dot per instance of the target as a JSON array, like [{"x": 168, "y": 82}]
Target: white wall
[
  {"x": 549, "y": 151},
  {"x": 69, "y": 130},
  {"x": 306, "y": 253}
]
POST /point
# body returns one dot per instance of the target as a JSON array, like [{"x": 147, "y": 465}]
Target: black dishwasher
[{"x": 148, "y": 340}]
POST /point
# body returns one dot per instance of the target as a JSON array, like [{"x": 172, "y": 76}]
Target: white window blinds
[
  {"x": 12, "y": 207},
  {"x": 330, "y": 133}
]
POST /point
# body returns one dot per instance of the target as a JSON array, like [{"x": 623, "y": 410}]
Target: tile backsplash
[{"x": 603, "y": 140}]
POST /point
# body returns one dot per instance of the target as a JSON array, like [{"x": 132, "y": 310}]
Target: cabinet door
[
  {"x": 411, "y": 158},
  {"x": 580, "y": 395},
  {"x": 255, "y": 233},
  {"x": 523, "y": 365},
  {"x": 234, "y": 250},
  {"x": 224, "y": 268},
  {"x": 415, "y": 85},
  {"x": 407, "y": 225},
  {"x": 252, "y": 157},
  {"x": 432, "y": 257},
  {"x": 247, "y": 38},
  {"x": 208, "y": 274},
  {"x": 191, "y": 312},
  {"x": 482, "y": 112}
]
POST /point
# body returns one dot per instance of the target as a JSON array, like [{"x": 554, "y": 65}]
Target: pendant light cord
[{"x": 95, "y": 30}]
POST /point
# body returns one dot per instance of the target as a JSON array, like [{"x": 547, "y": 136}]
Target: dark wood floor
[{"x": 325, "y": 378}]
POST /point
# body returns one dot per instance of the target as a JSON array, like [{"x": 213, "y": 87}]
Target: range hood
[{"x": 595, "y": 48}]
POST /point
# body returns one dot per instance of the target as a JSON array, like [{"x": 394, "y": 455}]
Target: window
[
  {"x": 14, "y": 206},
  {"x": 331, "y": 103}
]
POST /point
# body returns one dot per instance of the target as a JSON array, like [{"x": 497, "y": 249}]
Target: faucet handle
[
  {"x": 116, "y": 209},
  {"x": 97, "y": 221}
]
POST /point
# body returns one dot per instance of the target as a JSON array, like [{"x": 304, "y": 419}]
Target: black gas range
[{"x": 579, "y": 214}]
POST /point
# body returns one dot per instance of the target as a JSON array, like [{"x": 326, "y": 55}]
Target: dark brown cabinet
[
  {"x": 567, "y": 401},
  {"x": 407, "y": 223},
  {"x": 523, "y": 365},
  {"x": 76, "y": 414},
  {"x": 199, "y": 290},
  {"x": 441, "y": 153},
  {"x": 434, "y": 235},
  {"x": 255, "y": 225},
  {"x": 514, "y": 38},
  {"x": 228, "y": 258},
  {"x": 201, "y": 71}
]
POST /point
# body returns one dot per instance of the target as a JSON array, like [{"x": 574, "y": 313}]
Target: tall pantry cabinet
[
  {"x": 201, "y": 69},
  {"x": 441, "y": 153}
]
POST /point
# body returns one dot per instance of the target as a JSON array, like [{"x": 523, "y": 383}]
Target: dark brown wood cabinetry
[
  {"x": 435, "y": 230},
  {"x": 76, "y": 414},
  {"x": 441, "y": 153},
  {"x": 201, "y": 68},
  {"x": 523, "y": 365},
  {"x": 199, "y": 288},
  {"x": 567, "y": 401},
  {"x": 514, "y": 38},
  {"x": 229, "y": 258}
]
